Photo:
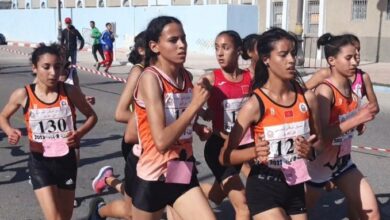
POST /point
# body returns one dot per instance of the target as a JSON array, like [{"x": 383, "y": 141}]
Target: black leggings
[{"x": 97, "y": 47}]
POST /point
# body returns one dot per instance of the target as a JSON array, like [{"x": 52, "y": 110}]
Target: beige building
[
  {"x": 36, "y": 4},
  {"x": 368, "y": 19}
]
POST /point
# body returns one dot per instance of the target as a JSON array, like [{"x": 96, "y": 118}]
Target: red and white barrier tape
[
  {"x": 96, "y": 72},
  {"x": 14, "y": 51},
  {"x": 104, "y": 74},
  {"x": 372, "y": 148}
]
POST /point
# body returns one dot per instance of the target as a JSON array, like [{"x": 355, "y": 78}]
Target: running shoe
[
  {"x": 94, "y": 206},
  {"x": 99, "y": 182}
]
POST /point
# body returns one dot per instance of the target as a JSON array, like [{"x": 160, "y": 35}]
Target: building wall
[
  {"x": 69, "y": 3},
  {"x": 262, "y": 8},
  {"x": 367, "y": 30},
  {"x": 292, "y": 15},
  {"x": 35, "y": 4},
  {"x": 132, "y": 20},
  {"x": 90, "y": 3},
  {"x": 21, "y": 4}
]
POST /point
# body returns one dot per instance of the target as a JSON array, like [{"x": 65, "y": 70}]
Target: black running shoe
[{"x": 94, "y": 206}]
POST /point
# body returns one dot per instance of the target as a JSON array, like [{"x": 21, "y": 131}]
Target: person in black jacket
[{"x": 69, "y": 38}]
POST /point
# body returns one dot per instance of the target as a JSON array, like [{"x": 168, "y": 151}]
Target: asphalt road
[{"x": 102, "y": 147}]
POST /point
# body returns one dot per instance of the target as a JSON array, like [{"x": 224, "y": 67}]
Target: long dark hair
[
  {"x": 237, "y": 41},
  {"x": 153, "y": 33},
  {"x": 333, "y": 43},
  {"x": 139, "y": 42},
  {"x": 265, "y": 45},
  {"x": 248, "y": 44}
]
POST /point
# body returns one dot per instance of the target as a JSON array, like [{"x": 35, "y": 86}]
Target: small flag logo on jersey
[{"x": 288, "y": 114}]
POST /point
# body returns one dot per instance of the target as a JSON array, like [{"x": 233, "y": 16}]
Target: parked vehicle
[{"x": 3, "y": 41}]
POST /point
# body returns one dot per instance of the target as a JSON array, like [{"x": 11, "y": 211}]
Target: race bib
[
  {"x": 281, "y": 141},
  {"x": 55, "y": 147},
  {"x": 348, "y": 135},
  {"x": 179, "y": 172},
  {"x": 50, "y": 123},
  {"x": 295, "y": 172},
  {"x": 175, "y": 105},
  {"x": 346, "y": 147},
  {"x": 230, "y": 111}
]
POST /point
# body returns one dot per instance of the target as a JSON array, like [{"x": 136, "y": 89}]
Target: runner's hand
[
  {"x": 303, "y": 146},
  {"x": 14, "y": 136},
  {"x": 73, "y": 139},
  {"x": 366, "y": 113},
  {"x": 203, "y": 131},
  {"x": 361, "y": 129},
  {"x": 262, "y": 150},
  {"x": 200, "y": 94}
]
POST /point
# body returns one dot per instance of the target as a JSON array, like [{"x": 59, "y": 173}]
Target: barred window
[
  {"x": 359, "y": 9},
  {"x": 313, "y": 16},
  {"x": 277, "y": 11}
]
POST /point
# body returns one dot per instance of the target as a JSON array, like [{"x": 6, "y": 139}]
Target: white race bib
[
  {"x": 281, "y": 141},
  {"x": 230, "y": 111},
  {"x": 50, "y": 123},
  {"x": 175, "y": 105},
  {"x": 347, "y": 137}
]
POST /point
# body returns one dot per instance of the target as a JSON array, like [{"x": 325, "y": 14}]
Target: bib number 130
[{"x": 51, "y": 126}]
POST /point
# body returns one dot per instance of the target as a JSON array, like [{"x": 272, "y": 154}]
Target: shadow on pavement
[
  {"x": 86, "y": 161},
  {"x": 95, "y": 142}
]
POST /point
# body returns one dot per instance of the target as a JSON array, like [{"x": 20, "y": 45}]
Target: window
[
  {"x": 101, "y": 3},
  {"x": 79, "y": 4},
  {"x": 125, "y": 3},
  {"x": 43, "y": 5},
  {"x": 313, "y": 16},
  {"x": 27, "y": 5},
  {"x": 277, "y": 11},
  {"x": 359, "y": 9}
]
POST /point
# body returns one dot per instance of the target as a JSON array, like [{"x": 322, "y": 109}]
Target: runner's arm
[
  {"x": 371, "y": 96},
  {"x": 317, "y": 78},
  {"x": 122, "y": 111},
  {"x": 78, "y": 99},
  {"x": 329, "y": 132},
  {"x": 248, "y": 115},
  {"x": 164, "y": 136},
  {"x": 17, "y": 99}
]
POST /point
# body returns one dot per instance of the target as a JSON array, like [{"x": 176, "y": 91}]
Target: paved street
[{"x": 102, "y": 145}]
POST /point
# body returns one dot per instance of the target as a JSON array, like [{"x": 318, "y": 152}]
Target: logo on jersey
[
  {"x": 339, "y": 102},
  {"x": 288, "y": 114},
  {"x": 270, "y": 134},
  {"x": 221, "y": 83},
  {"x": 272, "y": 111},
  {"x": 245, "y": 89},
  {"x": 303, "y": 107},
  {"x": 63, "y": 103}
]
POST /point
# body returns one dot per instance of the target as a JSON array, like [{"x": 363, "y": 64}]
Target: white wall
[{"x": 201, "y": 22}]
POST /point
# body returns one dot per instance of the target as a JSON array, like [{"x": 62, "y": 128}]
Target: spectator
[
  {"x": 107, "y": 41},
  {"x": 69, "y": 38},
  {"x": 96, "y": 45}
]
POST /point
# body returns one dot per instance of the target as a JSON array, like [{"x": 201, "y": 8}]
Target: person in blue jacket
[{"x": 107, "y": 40}]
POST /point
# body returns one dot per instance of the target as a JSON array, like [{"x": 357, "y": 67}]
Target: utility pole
[
  {"x": 59, "y": 20},
  {"x": 298, "y": 32}
]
